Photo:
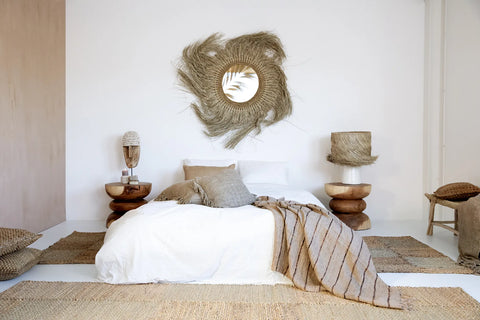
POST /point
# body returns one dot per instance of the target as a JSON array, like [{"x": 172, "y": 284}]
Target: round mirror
[{"x": 240, "y": 83}]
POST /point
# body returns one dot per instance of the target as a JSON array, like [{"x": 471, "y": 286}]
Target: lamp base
[{"x": 351, "y": 175}]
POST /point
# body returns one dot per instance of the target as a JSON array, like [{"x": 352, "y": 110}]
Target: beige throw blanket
[
  {"x": 315, "y": 249},
  {"x": 469, "y": 234}
]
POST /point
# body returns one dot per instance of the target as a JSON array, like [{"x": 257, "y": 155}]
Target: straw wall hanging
[{"x": 239, "y": 84}]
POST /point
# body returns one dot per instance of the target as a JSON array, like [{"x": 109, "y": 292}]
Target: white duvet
[{"x": 166, "y": 242}]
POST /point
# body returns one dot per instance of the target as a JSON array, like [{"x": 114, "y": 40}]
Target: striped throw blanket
[{"x": 315, "y": 249}]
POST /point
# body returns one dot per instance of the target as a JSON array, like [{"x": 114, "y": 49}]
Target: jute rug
[
  {"x": 77, "y": 300},
  {"x": 408, "y": 255},
  {"x": 78, "y": 247},
  {"x": 390, "y": 254}
]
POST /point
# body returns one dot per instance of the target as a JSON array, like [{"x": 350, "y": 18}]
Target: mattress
[{"x": 163, "y": 241}]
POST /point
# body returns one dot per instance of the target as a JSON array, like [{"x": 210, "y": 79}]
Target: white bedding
[{"x": 166, "y": 242}]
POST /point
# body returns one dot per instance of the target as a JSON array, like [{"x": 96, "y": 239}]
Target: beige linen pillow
[
  {"x": 182, "y": 192},
  {"x": 16, "y": 263},
  {"x": 457, "y": 191},
  {"x": 224, "y": 190},
  {"x": 12, "y": 240},
  {"x": 192, "y": 172}
]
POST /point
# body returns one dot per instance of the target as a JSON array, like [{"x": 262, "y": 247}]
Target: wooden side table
[
  {"x": 348, "y": 204},
  {"x": 125, "y": 197}
]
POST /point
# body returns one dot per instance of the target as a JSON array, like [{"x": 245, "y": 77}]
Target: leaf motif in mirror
[{"x": 240, "y": 83}]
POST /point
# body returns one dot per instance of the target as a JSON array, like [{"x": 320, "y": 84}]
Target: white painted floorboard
[{"x": 442, "y": 240}]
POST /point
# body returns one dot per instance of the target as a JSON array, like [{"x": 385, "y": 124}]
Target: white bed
[{"x": 163, "y": 241}]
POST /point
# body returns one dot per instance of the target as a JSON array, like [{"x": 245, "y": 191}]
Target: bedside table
[
  {"x": 348, "y": 204},
  {"x": 125, "y": 197}
]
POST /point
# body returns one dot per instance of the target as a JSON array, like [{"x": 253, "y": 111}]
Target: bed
[
  {"x": 247, "y": 227},
  {"x": 163, "y": 241}
]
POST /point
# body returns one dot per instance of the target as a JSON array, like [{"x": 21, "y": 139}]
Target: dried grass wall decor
[{"x": 202, "y": 70}]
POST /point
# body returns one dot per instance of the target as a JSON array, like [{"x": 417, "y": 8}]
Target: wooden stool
[
  {"x": 125, "y": 197},
  {"x": 444, "y": 224},
  {"x": 348, "y": 204}
]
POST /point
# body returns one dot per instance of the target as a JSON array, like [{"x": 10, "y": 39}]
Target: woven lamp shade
[{"x": 351, "y": 148}]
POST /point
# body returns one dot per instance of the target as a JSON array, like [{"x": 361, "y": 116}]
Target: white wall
[
  {"x": 351, "y": 65},
  {"x": 462, "y": 91}
]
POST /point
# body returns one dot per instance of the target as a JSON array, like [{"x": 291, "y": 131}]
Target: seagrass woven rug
[
  {"x": 390, "y": 254},
  {"x": 77, "y": 300},
  {"x": 78, "y": 247},
  {"x": 408, "y": 255}
]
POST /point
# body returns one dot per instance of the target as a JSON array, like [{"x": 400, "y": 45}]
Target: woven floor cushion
[
  {"x": 12, "y": 240},
  {"x": 16, "y": 263}
]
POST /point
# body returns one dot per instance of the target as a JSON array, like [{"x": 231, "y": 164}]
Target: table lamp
[{"x": 351, "y": 150}]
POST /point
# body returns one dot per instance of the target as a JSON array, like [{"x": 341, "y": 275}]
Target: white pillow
[
  {"x": 274, "y": 172},
  {"x": 209, "y": 163}
]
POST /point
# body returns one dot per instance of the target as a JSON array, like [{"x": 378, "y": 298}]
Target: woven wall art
[{"x": 217, "y": 70}]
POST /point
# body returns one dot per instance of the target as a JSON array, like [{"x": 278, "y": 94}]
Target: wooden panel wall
[{"x": 32, "y": 118}]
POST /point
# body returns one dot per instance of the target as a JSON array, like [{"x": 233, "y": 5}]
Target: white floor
[{"x": 442, "y": 240}]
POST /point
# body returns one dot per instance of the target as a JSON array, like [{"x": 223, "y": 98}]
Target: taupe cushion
[
  {"x": 12, "y": 240},
  {"x": 16, "y": 263},
  {"x": 192, "y": 172},
  {"x": 182, "y": 192},
  {"x": 224, "y": 190},
  {"x": 457, "y": 191}
]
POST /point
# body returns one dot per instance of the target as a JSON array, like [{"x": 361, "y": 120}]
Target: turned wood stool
[
  {"x": 126, "y": 197},
  {"x": 442, "y": 223},
  {"x": 348, "y": 204}
]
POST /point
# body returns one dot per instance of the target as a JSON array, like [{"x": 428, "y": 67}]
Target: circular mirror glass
[{"x": 240, "y": 83}]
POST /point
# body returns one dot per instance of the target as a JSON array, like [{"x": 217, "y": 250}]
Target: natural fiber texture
[
  {"x": 182, "y": 192},
  {"x": 223, "y": 190},
  {"x": 351, "y": 148},
  {"x": 192, "y": 172},
  {"x": 79, "y": 247},
  {"x": 316, "y": 250},
  {"x": 12, "y": 240},
  {"x": 458, "y": 191},
  {"x": 469, "y": 234},
  {"x": 16, "y": 263},
  {"x": 408, "y": 255},
  {"x": 201, "y": 71},
  {"x": 389, "y": 254},
  {"x": 76, "y": 300}
]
